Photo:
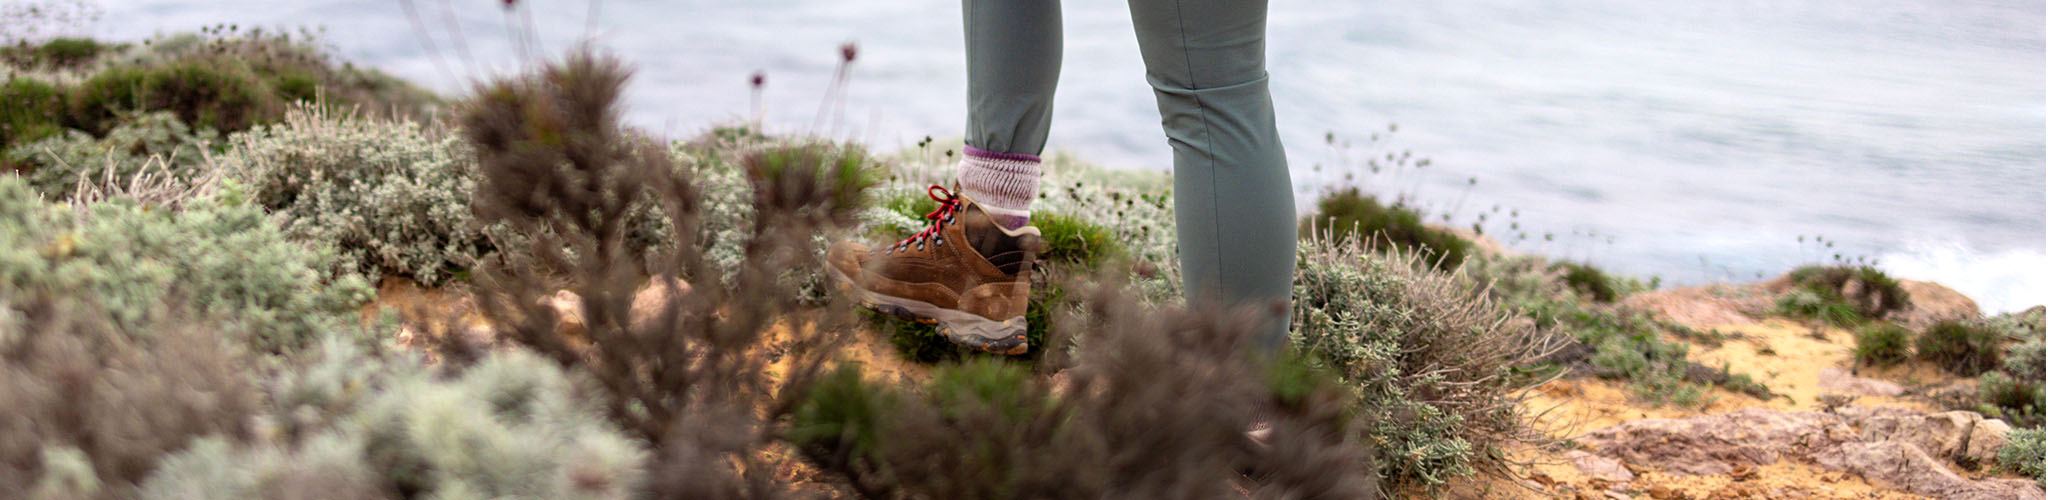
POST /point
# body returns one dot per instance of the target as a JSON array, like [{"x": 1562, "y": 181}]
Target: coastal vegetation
[{"x": 196, "y": 226}]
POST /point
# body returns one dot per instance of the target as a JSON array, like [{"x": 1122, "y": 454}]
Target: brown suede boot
[{"x": 965, "y": 272}]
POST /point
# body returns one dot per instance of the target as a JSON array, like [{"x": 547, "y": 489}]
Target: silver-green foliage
[
  {"x": 217, "y": 257},
  {"x": 2022, "y": 453},
  {"x": 1433, "y": 363},
  {"x": 370, "y": 426},
  {"x": 391, "y": 196}
]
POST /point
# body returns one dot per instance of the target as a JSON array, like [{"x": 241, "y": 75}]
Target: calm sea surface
[{"x": 1697, "y": 141}]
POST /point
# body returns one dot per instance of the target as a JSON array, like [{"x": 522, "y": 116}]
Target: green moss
[
  {"x": 1352, "y": 214},
  {"x": 1072, "y": 241},
  {"x": 1964, "y": 348},
  {"x": 1883, "y": 344}
]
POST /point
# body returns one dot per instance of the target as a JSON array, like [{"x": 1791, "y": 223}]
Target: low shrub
[
  {"x": 1603, "y": 341},
  {"x": 2024, "y": 361},
  {"x": 297, "y": 67},
  {"x": 391, "y": 197},
  {"x": 1438, "y": 367},
  {"x": 216, "y": 257},
  {"x": 153, "y": 149},
  {"x": 30, "y": 109},
  {"x": 2023, "y": 452},
  {"x": 1871, "y": 293},
  {"x": 2024, "y": 326},
  {"x": 58, "y": 53},
  {"x": 359, "y": 425},
  {"x": 1589, "y": 281},
  {"x": 1883, "y": 344},
  {"x": 2019, "y": 401},
  {"x": 1156, "y": 407},
  {"x": 1351, "y": 215},
  {"x": 1964, "y": 348},
  {"x": 92, "y": 406},
  {"x": 217, "y": 92},
  {"x": 1819, "y": 306},
  {"x": 691, "y": 377}
]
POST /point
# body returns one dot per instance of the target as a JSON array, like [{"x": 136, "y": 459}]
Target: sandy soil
[
  {"x": 1789, "y": 357},
  {"x": 1785, "y": 355}
]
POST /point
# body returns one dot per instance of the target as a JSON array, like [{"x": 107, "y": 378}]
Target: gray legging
[{"x": 1206, "y": 61}]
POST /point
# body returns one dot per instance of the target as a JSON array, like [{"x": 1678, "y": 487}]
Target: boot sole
[{"x": 960, "y": 327}]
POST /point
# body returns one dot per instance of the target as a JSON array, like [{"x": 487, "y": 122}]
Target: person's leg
[
  {"x": 1233, "y": 199},
  {"x": 1013, "y": 65},
  {"x": 970, "y": 270}
]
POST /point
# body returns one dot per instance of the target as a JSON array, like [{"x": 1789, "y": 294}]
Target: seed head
[{"x": 847, "y": 51}]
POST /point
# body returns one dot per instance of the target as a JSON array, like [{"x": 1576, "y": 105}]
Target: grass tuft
[
  {"x": 1589, "y": 281},
  {"x": 1352, "y": 215},
  {"x": 1870, "y": 294},
  {"x": 1964, "y": 348},
  {"x": 1883, "y": 344}
]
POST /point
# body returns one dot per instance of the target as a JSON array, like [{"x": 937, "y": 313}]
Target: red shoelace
[{"x": 948, "y": 203}]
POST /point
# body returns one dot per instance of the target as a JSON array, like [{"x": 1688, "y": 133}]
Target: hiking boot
[{"x": 964, "y": 272}]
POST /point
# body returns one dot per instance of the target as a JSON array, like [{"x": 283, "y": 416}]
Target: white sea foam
[{"x": 2000, "y": 281}]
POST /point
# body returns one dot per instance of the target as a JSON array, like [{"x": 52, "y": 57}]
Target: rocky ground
[
  {"x": 1834, "y": 431},
  {"x": 1837, "y": 431}
]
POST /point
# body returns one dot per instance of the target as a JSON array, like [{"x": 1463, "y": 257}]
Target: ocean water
[{"x": 1693, "y": 141}]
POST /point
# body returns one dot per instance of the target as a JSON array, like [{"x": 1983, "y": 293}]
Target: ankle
[{"x": 1004, "y": 184}]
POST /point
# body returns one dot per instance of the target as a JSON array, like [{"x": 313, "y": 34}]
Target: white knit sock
[{"x": 1004, "y": 183}]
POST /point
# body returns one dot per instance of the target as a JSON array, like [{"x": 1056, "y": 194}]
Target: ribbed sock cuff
[{"x": 1004, "y": 183}]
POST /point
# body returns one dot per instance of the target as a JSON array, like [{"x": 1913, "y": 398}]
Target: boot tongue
[{"x": 987, "y": 238}]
